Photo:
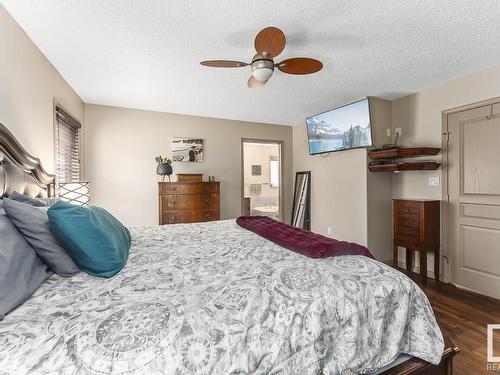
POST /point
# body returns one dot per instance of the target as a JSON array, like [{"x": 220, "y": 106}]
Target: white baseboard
[
  {"x": 416, "y": 269},
  {"x": 402, "y": 264}
]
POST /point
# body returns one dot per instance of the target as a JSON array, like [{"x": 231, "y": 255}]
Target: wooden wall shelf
[
  {"x": 410, "y": 166},
  {"x": 403, "y": 152}
]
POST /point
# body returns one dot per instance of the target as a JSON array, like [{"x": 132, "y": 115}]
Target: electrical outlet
[
  {"x": 434, "y": 181},
  {"x": 329, "y": 230},
  {"x": 389, "y": 132},
  {"x": 397, "y": 131}
]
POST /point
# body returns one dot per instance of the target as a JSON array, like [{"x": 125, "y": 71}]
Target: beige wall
[
  {"x": 379, "y": 187},
  {"x": 29, "y": 84},
  {"x": 420, "y": 117},
  {"x": 356, "y": 205},
  {"x": 121, "y": 145},
  {"x": 344, "y": 196},
  {"x": 258, "y": 154},
  {"x": 338, "y": 189}
]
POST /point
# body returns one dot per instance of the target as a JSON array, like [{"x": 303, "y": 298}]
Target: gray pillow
[
  {"x": 48, "y": 201},
  {"x": 33, "y": 223},
  {"x": 21, "y": 270},
  {"x": 37, "y": 202}
]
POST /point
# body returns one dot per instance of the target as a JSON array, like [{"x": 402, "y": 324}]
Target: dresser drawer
[
  {"x": 408, "y": 209},
  {"x": 404, "y": 214},
  {"x": 177, "y": 217},
  {"x": 199, "y": 216},
  {"x": 190, "y": 202},
  {"x": 189, "y": 188},
  {"x": 409, "y": 240},
  {"x": 407, "y": 222},
  {"x": 405, "y": 230}
]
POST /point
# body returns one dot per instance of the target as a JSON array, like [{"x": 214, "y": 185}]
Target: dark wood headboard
[{"x": 20, "y": 171}]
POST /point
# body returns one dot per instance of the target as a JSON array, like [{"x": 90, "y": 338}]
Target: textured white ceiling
[{"x": 145, "y": 53}]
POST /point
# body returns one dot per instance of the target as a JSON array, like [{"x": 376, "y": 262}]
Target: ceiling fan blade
[
  {"x": 223, "y": 63},
  {"x": 254, "y": 83},
  {"x": 270, "y": 40},
  {"x": 300, "y": 65}
]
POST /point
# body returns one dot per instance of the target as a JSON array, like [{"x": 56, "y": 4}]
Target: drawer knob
[
  {"x": 172, "y": 203},
  {"x": 172, "y": 188},
  {"x": 171, "y": 219}
]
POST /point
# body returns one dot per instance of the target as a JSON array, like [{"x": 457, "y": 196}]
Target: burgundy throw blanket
[{"x": 300, "y": 240}]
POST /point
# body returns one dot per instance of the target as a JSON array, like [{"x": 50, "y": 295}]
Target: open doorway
[{"x": 261, "y": 178}]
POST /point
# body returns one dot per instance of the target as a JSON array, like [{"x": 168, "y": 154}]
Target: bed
[{"x": 213, "y": 298}]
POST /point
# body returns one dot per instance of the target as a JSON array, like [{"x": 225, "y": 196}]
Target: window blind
[{"x": 67, "y": 144}]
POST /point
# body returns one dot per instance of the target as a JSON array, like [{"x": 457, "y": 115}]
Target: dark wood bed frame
[
  {"x": 415, "y": 366},
  {"x": 22, "y": 172}
]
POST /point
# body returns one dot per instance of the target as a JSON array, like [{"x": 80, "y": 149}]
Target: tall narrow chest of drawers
[
  {"x": 416, "y": 228},
  {"x": 188, "y": 202}
]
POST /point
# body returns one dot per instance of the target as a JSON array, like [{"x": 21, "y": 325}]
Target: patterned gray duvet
[{"x": 213, "y": 298}]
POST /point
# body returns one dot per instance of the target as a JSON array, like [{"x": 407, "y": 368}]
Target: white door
[{"x": 474, "y": 198}]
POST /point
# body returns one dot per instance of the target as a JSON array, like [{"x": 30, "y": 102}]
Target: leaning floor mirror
[{"x": 301, "y": 211}]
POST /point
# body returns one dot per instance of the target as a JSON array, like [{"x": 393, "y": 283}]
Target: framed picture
[
  {"x": 187, "y": 149},
  {"x": 256, "y": 170}
]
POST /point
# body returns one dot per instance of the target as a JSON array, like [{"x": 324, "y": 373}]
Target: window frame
[
  {"x": 274, "y": 158},
  {"x": 58, "y": 107}
]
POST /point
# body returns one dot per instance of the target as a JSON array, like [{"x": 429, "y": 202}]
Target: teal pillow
[{"x": 96, "y": 241}]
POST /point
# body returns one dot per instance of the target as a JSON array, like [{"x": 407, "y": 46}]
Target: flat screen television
[{"x": 342, "y": 128}]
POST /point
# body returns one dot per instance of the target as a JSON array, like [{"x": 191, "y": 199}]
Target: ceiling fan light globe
[{"x": 262, "y": 74}]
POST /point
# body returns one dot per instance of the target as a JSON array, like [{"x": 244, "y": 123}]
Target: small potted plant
[{"x": 164, "y": 167}]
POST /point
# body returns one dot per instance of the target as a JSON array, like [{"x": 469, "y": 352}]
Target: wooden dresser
[
  {"x": 417, "y": 228},
  {"x": 188, "y": 202}
]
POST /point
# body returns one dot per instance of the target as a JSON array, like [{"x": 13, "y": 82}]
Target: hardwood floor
[{"x": 463, "y": 317}]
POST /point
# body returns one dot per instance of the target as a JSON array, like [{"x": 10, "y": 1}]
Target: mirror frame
[{"x": 307, "y": 210}]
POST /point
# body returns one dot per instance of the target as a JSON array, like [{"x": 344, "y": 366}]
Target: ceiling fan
[{"x": 269, "y": 43}]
